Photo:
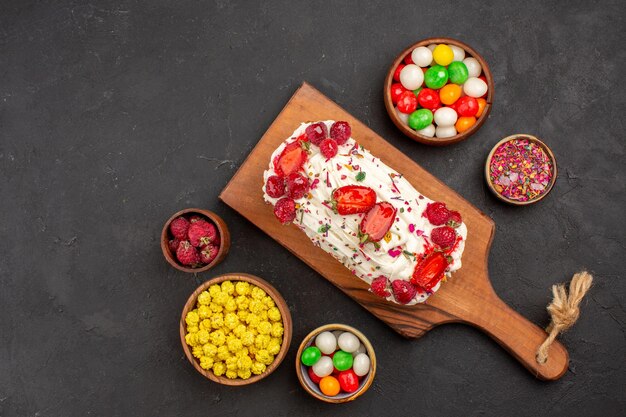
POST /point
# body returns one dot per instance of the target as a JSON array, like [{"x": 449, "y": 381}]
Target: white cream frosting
[{"x": 409, "y": 233}]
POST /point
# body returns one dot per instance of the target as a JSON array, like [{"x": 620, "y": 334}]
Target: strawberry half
[
  {"x": 292, "y": 158},
  {"x": 429, "y": 270},
  {"x": 377, "y": 222},
  {"x": 353, "y": 199}
]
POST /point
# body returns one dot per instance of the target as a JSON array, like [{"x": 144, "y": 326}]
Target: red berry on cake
[
  {"x": 328, "y": 148},
  {"x": 316, "y": 132},
  {"x": 297, "y": 185},
  {"x": 340, "y": 131},
  {"x": 353, "y": 199},
  {"x": 208, "y": 253},
  {"x": 201, "y": 233},
  {"x": 403, "y": 291},
  {"x": 376, "y": 222},
  {"x": 455, "y": 219},
  {"x": 285, "y": 210},
  {"x": 443, "y": 236},
  {"x": 437, "y": 213},
  {"x": 291, "y": 159},
  {"x": 429, "y": 270},
  {"x": 275, "y": 186},
  {"x": 380, "y": 286},
  {"x": 179, "y": 227},
  {"x": 187, "y": 254}
]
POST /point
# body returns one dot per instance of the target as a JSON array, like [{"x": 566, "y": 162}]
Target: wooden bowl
[
  {"x": 548, "y": 152},
  {"x": 434, "y": 140},
  {"x": 222, "y": 229},
  {"x": 284, "y": 312},
  {"x": 312, "y": 388}
]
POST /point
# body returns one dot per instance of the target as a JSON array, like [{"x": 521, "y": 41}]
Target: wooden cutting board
[{"x": 467, "y": 297}]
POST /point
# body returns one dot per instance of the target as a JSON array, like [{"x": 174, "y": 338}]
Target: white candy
[
  {"x": 348, "y": 342},
  {"x": 445, "y": 131},
  {"x": 475, "y": 87},
  {"x": 459, "y": 53},
  {"x": 473, "y": 66},
  {"x": 422, "y": 56},
  {"x": 361, "y": 364},
  {"x": 411, "y": 77},
  {"x": 445, "y": 116},
  {"x": 326, "y": 342},
  {"x": 428, "y": 131},
  {"x": 402, "y": 116},
  {"x": 323, "y": 367},
  {"x": 432, "y": 46},
  {"x": 361, "y": 349}
]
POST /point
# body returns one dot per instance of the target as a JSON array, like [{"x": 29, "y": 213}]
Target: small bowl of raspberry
[{"x": 195, "y": 240}]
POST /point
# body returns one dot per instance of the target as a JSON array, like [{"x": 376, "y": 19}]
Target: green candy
[
  {"x": 436, "y": 77},
  {"x": 416, "y": 92},
  {"x": 342, "y": 360},
  {"x": 457, "y": 72},
  {"x": 419, "y": 119},
  {"x": 310, "y": 356}
]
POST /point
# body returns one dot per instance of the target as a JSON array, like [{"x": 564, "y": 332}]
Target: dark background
[{"x": 111, "y": 113}]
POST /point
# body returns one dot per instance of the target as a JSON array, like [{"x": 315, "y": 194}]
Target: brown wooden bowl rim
[
  {"x": 280, "y": 303},
  {"x": 412, "y": 133},
  {"x": 308, "y": 339},
  {"x": 548, "y": 151},
  {"x": 221, "y": 228}
]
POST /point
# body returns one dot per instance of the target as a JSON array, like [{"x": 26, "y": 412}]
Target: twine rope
[{"x": 564, "y": 310}]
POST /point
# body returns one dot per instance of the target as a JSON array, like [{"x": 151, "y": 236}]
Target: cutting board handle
[{"x": 516, "y": 334}]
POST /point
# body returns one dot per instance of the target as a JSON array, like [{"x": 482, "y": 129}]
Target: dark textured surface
[{"x": 114, "y": 115}]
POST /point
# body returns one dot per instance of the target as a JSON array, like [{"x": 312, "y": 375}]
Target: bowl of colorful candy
[
  {"x": 520, "y": 169},
  {"x": 336, "y": 363},
  {"x": 438, "y": 91},
  {"x": 235, "y": 329},
  {"x": 195, "y": 240}
]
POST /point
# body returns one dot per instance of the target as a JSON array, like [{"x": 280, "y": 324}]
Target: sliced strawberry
[
  {"x": 353, "y": 199},
  {"x": 292, "y": 158},
  {"x": 377, "y": 222},
  {"x": 429, "y": 270}
]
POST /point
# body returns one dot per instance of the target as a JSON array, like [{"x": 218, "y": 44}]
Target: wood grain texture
[{"x": 468, "y": 297}]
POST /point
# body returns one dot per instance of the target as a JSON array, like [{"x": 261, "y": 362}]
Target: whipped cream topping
[{"x": 338, "y": 235}]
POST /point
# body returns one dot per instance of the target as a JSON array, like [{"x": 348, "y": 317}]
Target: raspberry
[
  {"x": 208, "y": 253},
  {"x": 275, "y": 186},
  {"x": 437, "y": 213},
  {"x": 455, "y": 219},
  {"x": 201, "y": 233},
  {"x": 328, "y": 148},
  {"x": 285, "y": 210},
  {"x": 340, "y": 131},
  {"x": 380, "y": 286},
  {"x": 173, "y": 245},
  {"x": 187, "y": 254},
  {"x": 297, "y": 185},
  {"x": 443, "y": 236},
  {"x": 316, "y": 132},
  {"x": 404, "y": 291},
  {"x": 179, "y": 227}
]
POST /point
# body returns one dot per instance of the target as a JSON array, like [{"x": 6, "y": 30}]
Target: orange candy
[
  {"x": 329, "y": 385},
  {"x": 482, "y": 103},
  {"x": 450, "y": 93},
  {"x": 464, "y": 123}
]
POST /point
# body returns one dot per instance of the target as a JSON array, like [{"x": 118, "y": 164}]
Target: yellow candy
[
  {"x": 256, "y": 306},
  {"x": 242, "y": 302},
  {"x": 264, "y": 327},
  {"x": 191, "y": 339},
  {"x": 244, "y": 362},
  {"x": 242, "y": 288},
  {"x": 231, "y": 374},
  {"x": 253, "y": 350},
  {"x": 219, "y": 368},
  {"x": 203, "y": 336},
  {"x": 192, "y": 318},
  {"x": 220, "y": 299},
  {"x": 239, "y": 330},
  {"x": 215, "y": 308},
  {"x": 206, "y": 362},
  {"x": 204, "y": 312},
  {"x": 443, "y": 55},
  {"x": 269, "y": 303},
  {"x": 257, "y": 293},
  {"x": 261, "y": 341},
  {"x": 273, "y": 347},
  {"x": 244, "y": 373},
  {"x": 231, "y": 363},
  {"x": 277, "y": 330},
  {"x": 230, "y": 305},
  {"x": 218, "y": 337},
  {"x": 228, "y": 287},
  {"x": 192, "y": 329},
  {"x": 264, "y": 357},
  {"x": 209, "y": 350},
  {"x": 223, "y": 353},
  {"x": 258, "y": 368},
  {"x": 252, "y": 320},
  {"x": 214, "y": 290},
  {"x": 217, "y": 321},
  {"x": 197, "y": 351},
  {"x": 263, "y": 316},
  {"x": 204, "y": 298},
  {"x": 273, "y": 314},
  {"x": 247, "y": 338},
  {"x": 231, "y": 320},
  {"x": 242, "y": 314},
  {"x": 206, "y": 324},
  {"x": 234, "y": 345}
]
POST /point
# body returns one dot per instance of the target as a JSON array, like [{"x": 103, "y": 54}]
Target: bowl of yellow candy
[{"x": 235, "y": 329}]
